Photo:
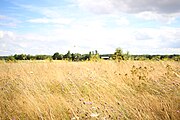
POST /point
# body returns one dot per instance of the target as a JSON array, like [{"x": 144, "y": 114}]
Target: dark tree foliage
[
  {"x": 92, "y": 55},
  {"x": 68, "y": 56},
  {"x": 85, "y": 57},
  {"x": 118, "y": 55},
  {"x": 42, "y": 57},
  {"x": 76, "y": 57},
  {"x": 57, "y": 56},
  {"x": 28, "y": 57},
  {"x": 11, "y": 58},
  {"x": 156, "y": 57}
]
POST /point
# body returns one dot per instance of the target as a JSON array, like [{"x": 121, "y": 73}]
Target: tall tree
[
  {"x": 55, "y": 56},
  {"x": 68, "y": 55},
  {"x": 118, "y": 54}
]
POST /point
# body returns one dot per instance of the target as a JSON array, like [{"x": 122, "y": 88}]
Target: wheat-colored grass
[{"x": 138, "y": 90}]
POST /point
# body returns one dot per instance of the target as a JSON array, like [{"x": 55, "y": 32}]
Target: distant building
[{"x": 105, "y": 57}]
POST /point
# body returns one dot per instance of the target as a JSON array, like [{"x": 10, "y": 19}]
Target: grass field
[{"x": 137, "y": 90}]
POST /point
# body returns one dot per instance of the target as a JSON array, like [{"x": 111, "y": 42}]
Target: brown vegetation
[{"x": 90, "y": 90}]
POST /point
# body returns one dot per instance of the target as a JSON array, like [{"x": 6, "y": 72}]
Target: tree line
[{"x": 118, "y": 55}]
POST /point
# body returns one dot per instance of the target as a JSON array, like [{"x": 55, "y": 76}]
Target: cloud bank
[
  {"x": 131, "y": 6},
  {"x": 141, "y": 27}
]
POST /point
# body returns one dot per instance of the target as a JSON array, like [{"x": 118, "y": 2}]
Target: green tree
[
  {"x": 28, "y": 57},
  {"x": 94, "y": 57},
  {"x": 89, "y": 55},
  {"x": 16, "y": 56},
  {"x": 11, "y": 58},
  {"x": 176, "y": 58},
  {"x": 118, "y": 55},
  {"x": 22, "y": 57},
  {"x": 75, "y": 57},
  {"x": 68, "y": 56},
  {"x": 156, "y": 57},
  {"x": 57, "y": 56},
  {"x": 126, "y": 56},
  {"x": 96, "y": 52},
  {"x": 85, "y": 57}
]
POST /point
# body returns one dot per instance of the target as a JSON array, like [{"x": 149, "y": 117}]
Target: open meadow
[{"x": 105, "y": 90}]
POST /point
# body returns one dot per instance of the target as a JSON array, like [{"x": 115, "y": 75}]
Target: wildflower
[
  {"x": 94, "y": 115},
  {"x": 87, "y": 103},
  {"x": 31, "y": 72},
  {"x": 75, "y": 118},
  {"x": 81, "y": 99},
  {"x": 93, "y": 107}
]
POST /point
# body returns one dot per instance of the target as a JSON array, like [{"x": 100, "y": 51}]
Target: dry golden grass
[{"x": 142, "y": 90}]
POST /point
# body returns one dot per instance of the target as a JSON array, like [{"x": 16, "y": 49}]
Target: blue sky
[{"x": 49, "y": 26}]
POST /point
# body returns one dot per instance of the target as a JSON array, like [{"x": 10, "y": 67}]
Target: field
[{"x": 105, "y": 90}]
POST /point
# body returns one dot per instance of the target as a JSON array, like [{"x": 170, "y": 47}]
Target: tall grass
[{"x": 90, "y": 90}]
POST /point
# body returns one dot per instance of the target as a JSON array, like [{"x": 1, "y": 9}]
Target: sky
[{"x": 49, "y": 26}]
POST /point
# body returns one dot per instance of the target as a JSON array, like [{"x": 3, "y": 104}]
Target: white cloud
[
  {"x": 122, "y": 21},
  {"x": 163, "y": 18},
  {"x": 8, "y": 21},
  {"x": 131, "y": 6},
  {"x": 7, "y": 42},
  {"x": 106, "y": 40},
  {"x": 96, "y": 6},
  {"x": 83, "y": 38},
  {"x": 1, "y": 34},
  {"x": 165, "y": 11},
  {"x": 51, "y": 14},
  {"x": 155, "y": 51},
  {"x": 53, "y": 21},
  {"x": 7, "y": 35},
  {"x": 105, "y": 30}
]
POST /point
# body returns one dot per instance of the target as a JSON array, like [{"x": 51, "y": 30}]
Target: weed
[{"x": 90, "y": 90}]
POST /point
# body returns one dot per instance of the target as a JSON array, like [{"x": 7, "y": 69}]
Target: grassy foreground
[{"x": 142, "y": 90}]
